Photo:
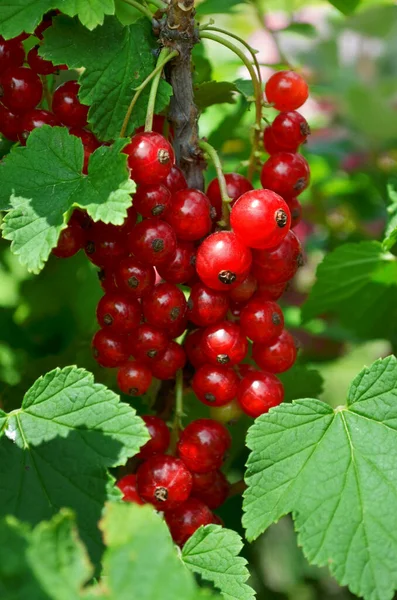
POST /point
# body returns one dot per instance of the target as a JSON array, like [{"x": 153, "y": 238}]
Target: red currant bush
[
  {"x": 211, "y": 488},
  {"x": 12, "y": 54},
  {"x": 286, "y": 90},
  {"x": 184, "y": 520},
  {"x": 152, "y": 241},
  {"x": 286, "y": 174},
  {"x": 133, "y": 277},
  {"x": 166, "y": 365},
  {"x": 164, "y": 306},
  {"x": 70, "y": 241},
  {"x": 215, "y": 385},
  {"x": 149, "y": 343},
  {"x": 278, "y": 357},
  {"x": 290, "y": 130},
  {"x": 150, "y": 158},
  {"x": 279, "y": 265},
  {"x": 164, "y": 481},
  {"x": 134, "y": 378},
  {"x": 261, "y": 320},
  {"x": 67, "y": 107},
  {"x": 119, "y": 313},
  {"x": 152, "y": 200},
  {"x": 259, "y": 392},
  {"x": 110, "y": 349},
  {"x": 159, "y": 437},
  {"x": 179, "y": 269},
  {"x": 206, "y": 306},
  {"x": 128, "y": 486},
  {"x": 20, "y": 90},
  {"x": 224, "y": 344},
  {"x": 236, "y": 186},
  {"x": 189, "y": 215},
  {"x": 202, "y": 445},
  {"x": 34, "y": 119}
]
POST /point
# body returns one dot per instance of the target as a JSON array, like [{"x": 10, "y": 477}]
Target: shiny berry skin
[
  {"x": 215, "y": 385},
  {"x": 184, "y": 520},
  {"x": 67, "y": 106},
  {"x": 166, "y": 366},
  {"x": 35, "y": 119},
  {"x": 164, "y": 481},
  {"x": 262, "y": 320},
  {"x": 278, "y": 357},
  {"x": 236, "y": 185},
  {"x": 160, "y": 437},
  {"x": 152, "y": 241},
  {"x": 286, "y": 90},
  {"x": 180, "y": 269},
  {"x": 118, "y": 312},
  {"x": 128, "y": 486},
  {"x": 40, "y": 65},
  {"x": 165, "y": 305},
  {"x": 279, "y": 265},
  {"x": 206, "y": 306},
  {"x": 150, "y": 158},
  {"x": 20, "y": 90},
  {"x": 134, "y": 378},
  {"x": 223, "y": 261},
  {"x": 175, "y": 330},
  {"x": 295, "y": 209},
  {"x": 270, "y": 292},
  {"x": 107, "y": 280},
  {"x": 211, "y": 488},
  {"x": 70, "y": 241},
  {"x": 202, "y": 445},
  {"x": 286, "y": 174},
  {"x": 175, "y": 180},
  {"x": 228, "y": 413},
  {"x": 109, "y": 349},
  {"x": 10, "y": 124},
  {"x": 152, "y": 200},
  {"x": 193, "y": 345},
  {"x": 133, "y": 277},
  {"x": 224, "y": 344},
  {"x": 259, "y": 392},
  {"x": 261, "y": 219},
  {"x": 189, "y": 215},
  {"x": 12, "y": 54},
  {"x": 105, "y": 245},
  {"x": 290, "y": 129},
  {"x": 149, "y": 343},
  {"x": 245, "y": 290},
  {"x": 270, "y": 144}
]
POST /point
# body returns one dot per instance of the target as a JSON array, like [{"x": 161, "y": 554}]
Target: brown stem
[
  {"x": 238, "y": 488},
  {"x": 179, "y": 33}
]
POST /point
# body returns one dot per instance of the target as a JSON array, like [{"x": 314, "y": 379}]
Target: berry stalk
[
  {"x": 161, "y": 61},
  {"x": 212, "y": 153}
]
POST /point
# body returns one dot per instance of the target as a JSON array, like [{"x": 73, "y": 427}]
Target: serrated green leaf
[
  {"x": 210, "y": 7},
  {"x": 42, "y": 181},
  {"x": 245, "y": 87},
  {"x": 90, "y": 12},
  {"x": 212, "y": 552},
  {"x": 305, "y": 29},
  {"x": 358, "y": 282},
  {"x": 116, "y": 60},
  {"x": 335, "y": 471},
  {"x": 57, "y": 447},
  {"x": 391, "y": 228},
  {"x": 301, "y": 382},
  {"x": 347, "y": 7},
  {"x": 214, "y": 92}
]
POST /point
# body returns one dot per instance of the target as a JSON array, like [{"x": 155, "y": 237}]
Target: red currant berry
[
  {"x": 278, "y": 357},
  {"x": 236, "y": 185},
  {"x": 105, "y": 245},
  {"x": 118, "y": 312},
  {"x": 189, "y": 215},
  {"x": 295, "y": 209},
  {"x": 206, "y": 306},
  {"x": 158, "y": 126},
  {"x": 259, "y": 392},
  {"x": 224, "y": 344},
  {"x": 134, "y": 378},
  {"x": 215, "y": 386},
  {"x": 12, "y": 54},
  {"x": 10, "y": 124},
  {"x": 286, "y": 90},
  {"x": 33, "y": 120},
  {"x": 277, "y": 266},
  {"x": 223, "y": 261},
  {"x": 184, "y": 520},
  {"x": 40, "y": 65},
  {"x": 67, "y": 106},
  {"x": 166, "y": 366},
  {"x": 228, "y": 413},
  {"x": 165, "y": 305},
  {"x": 211, "y": 488},
  {"x": 245, "y": 290},
  {"x": 286, "y": 174},
  {"x": 270, "y": 292},
  {"x": 152, "y": 200},
  {"x": 149, "y": 343},
  {"x": 261, "y": 219},
  {"x": 262, "y": 321},
  {"x": 202, "y": 445},
  {"x": 90, "y": 144},
  {"x": 45, "y": 23},
  {"x": 150, "y": 158},
  {"x": 133, "y": 277},
  {"x": 175, "y": 180},
  {"x": 153, "y": 242},
  {"x": 109, "y": 349},
  {"x": 164, "y": 481},
  {"x": 70, "y": 241},
  {"x": 159, "y": 437},
  {"x": 175, "y": 330},
  {"x": 270, "y": 144},
  {"x": 107, "y": 281},
  {"x": 193, "y": 345},
  {"x": 290, "y": 130},
  {"x": 128, "y": 486},
  {"x": 181, "y": 268},
  {"x": 20, "y": 90}
]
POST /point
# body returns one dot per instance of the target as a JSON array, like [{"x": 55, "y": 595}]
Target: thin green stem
[
  {"x": 178, "y": 415},
  {"x": 212, "y": 153},
  {"x": 140, "y": 7},
  {"x": 155, "y": 86},
  {"x": 258, "y": 96},
  {"x": 159, "y": 3},
  {"x": 46, "y": 91},
  {"x": 140, "y": 88}
]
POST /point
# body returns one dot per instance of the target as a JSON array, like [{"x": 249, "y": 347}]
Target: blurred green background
[{"x": 349, "y": 61}]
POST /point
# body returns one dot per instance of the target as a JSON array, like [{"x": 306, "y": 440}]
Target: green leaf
[
  {"x": 57, "y": 447},
  {"x": 90, "y": 12},
  {"x": 126, "y": 13},
  {"x": 305, "y": 29},
  {"x": 116, "y": 60},
  {"x": 212, "y": 552},
  {"x": 43, "y": 181},
  {"x": 211, "y": 7},
  {"x": 371, "y": 113},
  {"x": 347, "y": 7},
  {"x": 301, "y": 382},
  {"x": 358, "y": 282},
  {"x": 335, "y": 471},
  {"x": 214, "y": 92},
  {"x": 391, "y": 229},
  {"x": 245, "y": 87}
]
